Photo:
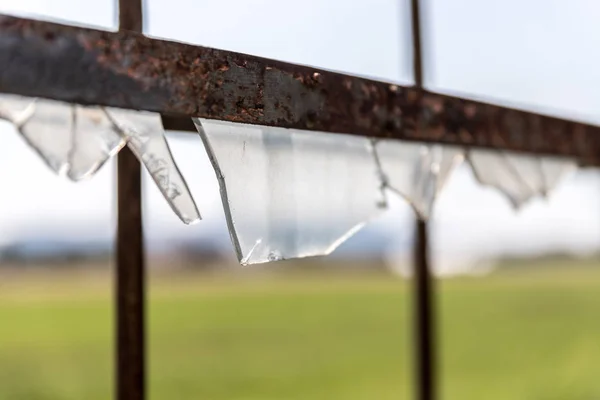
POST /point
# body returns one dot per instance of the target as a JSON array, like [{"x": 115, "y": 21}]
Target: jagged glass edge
[
  {"x": 544, "y": 193},
  {"x": 121, "y": 132},
  {"x": 28, "y": 112},
  {"x": 231, "y": 223},
  {"x": 513, "y": 203},
  {"x": 20, "y": 121},
  {"x": 222, "y": 192},
  {"x": 99, "y": 164},
  {"x": 386, "y": 185},
  {"x": 566, "y": 170}
]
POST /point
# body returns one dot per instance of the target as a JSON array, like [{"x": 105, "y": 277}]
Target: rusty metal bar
[
  {"x": 423, "y": 280},
  {"x": 130, "y": 283},
  {"x": 127, "y": 69},
  {"x": 424, "y": 318},
  {"x": 130, "y": 368}
]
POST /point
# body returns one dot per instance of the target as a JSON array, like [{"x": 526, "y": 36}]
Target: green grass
[{"x": 531, "y": 335}]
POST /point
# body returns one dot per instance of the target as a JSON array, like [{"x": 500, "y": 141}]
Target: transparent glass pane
[
  {"x": 290, "y": 194},
  {"x": 417, "y": 171},
  {"x": 366, "y": 37},
  {"x": 146, "y": 138}
]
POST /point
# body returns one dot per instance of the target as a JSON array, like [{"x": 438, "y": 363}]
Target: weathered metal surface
[
  {"x": 424, "y": 334},
  {"x": 126, "y": 69},
  {"x": 130, "y": 291},
  {"x": 130, "y": 366}
]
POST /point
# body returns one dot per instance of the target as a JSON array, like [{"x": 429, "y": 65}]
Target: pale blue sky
[{"x": 537, "y": 54}]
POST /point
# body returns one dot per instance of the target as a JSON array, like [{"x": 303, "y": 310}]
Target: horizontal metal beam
[{"x": 129, "y": 70}]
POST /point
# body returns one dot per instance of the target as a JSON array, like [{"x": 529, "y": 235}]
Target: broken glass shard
[
  {"x": 15, "y": 109},
  {"x": 290, "y": 193},
  {"x": 71, "y": 139},
  {"x": 518, "y": 177},
  {"x": 76, "y": 141},
  {"x": 93, "y": 141},
  {"x": 416, "y": 171},
  {"x": 49, "y": 132},
  {"x": 554, "y": 170},
  {"x": 145, "y": 136}
]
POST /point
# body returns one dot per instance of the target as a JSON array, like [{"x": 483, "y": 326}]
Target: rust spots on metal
[{"x": 127, "y": 69}]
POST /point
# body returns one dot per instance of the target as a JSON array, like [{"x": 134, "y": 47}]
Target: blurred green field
[{"x": 531, "y": 334}]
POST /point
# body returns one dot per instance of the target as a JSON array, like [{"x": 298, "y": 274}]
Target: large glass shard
[
  {"x": 145, "y": 136},
  {"x": 417, "y": 171},
  {"x": 289, "y": 193}
]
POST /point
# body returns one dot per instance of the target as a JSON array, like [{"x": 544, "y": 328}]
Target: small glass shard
[
  {"x": 529, "y": 170},
  {"x": 145, "y": 136},
  {"x": 518, "y": 177},
  {"x": 71, "y": 139},
  {"x": 76, "y": 141},
  {"x": 288, "y": 193},
  {"x": 417, "y": 171},
  {"x": 554, "y": 170},
  {"x": 93, "y": 141},
  {"x": 49, "y": 132},
  {"x": 16, "y": 109}
]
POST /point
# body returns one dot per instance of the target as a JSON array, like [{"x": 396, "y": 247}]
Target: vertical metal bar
[
  {"x": 130, "y": 276},
  {"x": 423, "y": 300},
  {"x": 423, "y": 281},
  {"x": 131, "y": 15},
  {"x": 415, "y": 13}
]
